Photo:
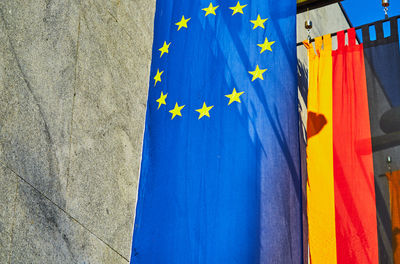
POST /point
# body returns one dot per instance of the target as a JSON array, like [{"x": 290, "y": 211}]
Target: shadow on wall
[{"x": 302, "y": 74}]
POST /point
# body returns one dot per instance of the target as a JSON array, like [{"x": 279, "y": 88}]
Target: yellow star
[
  {"x": 258, "y": 22},
  {"x": 234, "y": 96},
  {"x": 238, "y": 8},
  {"x": 157, "y": 78},
  {"x": 204, "y": 111},
  {"x": 266, "y": 45},
  {"x": 182, "y": 23},
  {"x": 210, "y": 9},
  {"x": 161, "y": 100},
  {"x": 176, "y": 111},
  {"x": 164, "y": 48},
  {"x": 257, "y": 73}
]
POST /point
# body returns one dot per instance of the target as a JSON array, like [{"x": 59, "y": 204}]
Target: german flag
[{"x": 341, "y": 201}]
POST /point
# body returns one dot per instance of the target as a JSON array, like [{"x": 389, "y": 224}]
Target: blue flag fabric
[{"x": 220, "y": 179}]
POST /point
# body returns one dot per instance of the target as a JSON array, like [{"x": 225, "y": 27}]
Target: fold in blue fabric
[{"x": 220, "y": 180}]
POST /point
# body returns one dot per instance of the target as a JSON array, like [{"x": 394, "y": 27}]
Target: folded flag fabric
[
  {"x": 320, "y": 184},
  {"x": 356, "y": 227},
  {"x": 394, "y": 187},
  {"x": 341, "y": 190},
  {"x": 220, "y": 179}
]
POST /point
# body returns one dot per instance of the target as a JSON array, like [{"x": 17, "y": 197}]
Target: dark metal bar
[{"x": 359, "y": 27}]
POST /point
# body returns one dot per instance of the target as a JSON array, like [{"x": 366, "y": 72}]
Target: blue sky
[{"x": 366, "y": 11}]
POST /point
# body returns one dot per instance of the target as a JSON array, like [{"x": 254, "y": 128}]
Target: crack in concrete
[
  {"x": 13, "y": 223},
  {"x": 62, "y": 209},
  {"x": 23, "y": 76},
  {"x": 48, "y": 136}
]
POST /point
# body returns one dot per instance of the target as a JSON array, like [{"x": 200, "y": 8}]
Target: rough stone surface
[
  {"x": 38, "y": 50},
  {"x": 43, "y": 233},
  {"x": 8, "y": 194},
  {"x": 73, "y": 91},
  {"x": 108, "y": 124}
]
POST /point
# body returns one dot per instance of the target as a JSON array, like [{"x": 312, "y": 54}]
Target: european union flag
[{"x": 220, "y": 180}]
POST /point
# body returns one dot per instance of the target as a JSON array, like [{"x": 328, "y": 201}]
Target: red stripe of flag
[{"x": 356, "y": 226}]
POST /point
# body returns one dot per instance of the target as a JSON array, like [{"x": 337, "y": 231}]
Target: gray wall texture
[{"x": 73, "y": 90}]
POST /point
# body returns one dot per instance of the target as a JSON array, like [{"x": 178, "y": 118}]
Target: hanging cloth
[
  {"x": 382, "y": 65},
  {"x": 356, "y": 227},
  {"x": 320, "y": 186},
  {"x": 394, "y": 188}
]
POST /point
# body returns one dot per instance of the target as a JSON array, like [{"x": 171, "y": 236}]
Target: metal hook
[
  {"x": 385, "y": 4},
  {"x": 389, "y": 164},
  {"x": 308, "y": 26}
]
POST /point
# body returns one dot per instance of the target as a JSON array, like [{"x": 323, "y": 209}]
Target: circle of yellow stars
[{"x": 234, "y": 96}]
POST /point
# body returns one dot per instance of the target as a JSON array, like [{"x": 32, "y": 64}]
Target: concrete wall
[{"x": 73, "y": 89}]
